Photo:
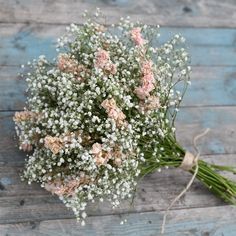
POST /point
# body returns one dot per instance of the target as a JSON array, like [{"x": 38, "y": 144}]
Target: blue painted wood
[
  {"x": 216, "y": 88},
  {"x": 201, "y": 36},
  {"x": 220, "y": 120},
  {"x": 215, "y": 221},
  {"x": 190, "y": 121},
  {"x": 212, "y": 56},
  {"x": 18, "y": 47},
  {"x": 22, "y": 47},
  {"x": 210, "y": 86},
  {"x": 13, "y": 89}
]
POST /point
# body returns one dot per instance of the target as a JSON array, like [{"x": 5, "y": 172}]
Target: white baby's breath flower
[{"x": 91, "y": 114}]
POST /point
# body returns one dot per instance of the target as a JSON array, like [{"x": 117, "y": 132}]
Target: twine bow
[{"x": 187, "y": 164}]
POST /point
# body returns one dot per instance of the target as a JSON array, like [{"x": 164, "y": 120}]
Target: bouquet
[{"x": 102, "y": 114}]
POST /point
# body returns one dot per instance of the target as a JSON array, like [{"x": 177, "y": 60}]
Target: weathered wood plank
[
  {"x": 210, "y": 86},
  {"x": 21, "y": 43},
  {"x": 172, "y": 13},
  {"x": 194, "y": 36},
  {"x": 193, "y": 222},
  {"x": 21, "y": 202},
  {"x": 36, "y": 202},
  {"x": 30, "y": 41},
  {"x": 13, "y": 89},
  {"x": 220, "y": 120},
  {"x": 190, "y": 121}
]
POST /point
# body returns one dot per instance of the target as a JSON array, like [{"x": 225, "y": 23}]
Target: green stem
[{"x": 207, "y": 173}]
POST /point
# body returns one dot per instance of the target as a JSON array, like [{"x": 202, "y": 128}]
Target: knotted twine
[{"x": 187, "y": 164}]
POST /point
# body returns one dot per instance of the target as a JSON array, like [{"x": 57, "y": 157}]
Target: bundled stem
[
  {"x": 218, "y": 184},
  {"x": 207, "y": 173}
]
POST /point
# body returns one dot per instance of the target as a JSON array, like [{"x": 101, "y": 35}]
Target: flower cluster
[
  {"x": 103, "y": 61},
  {"x": 103, "y": 109},
  {"x": 113, "y": 111}
]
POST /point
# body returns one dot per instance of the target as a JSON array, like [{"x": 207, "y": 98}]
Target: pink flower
[
  {"x": 136, "y": 36},
  {"x": 110, "y": 68},
  {"x": 101, "y": 157},
  {"x": 101, "y": 160},
  {"x": 66, "y": 188},
  {"x": 103, "y": 61},
  {"x": 141, "y": 93},
  {"x": 113, "y": 111},
  {"x": 118, "y": 161},
  {"x": 67, "y": 64},
  {"x": 62, "y": 61},
  {"x": 109, "y": 104},
  {"x": 102, "y": 58},
  {"x": 24, "y": 116},
  {"x": 118, "y": 157},
  {"x": 147, "y": 81},
  {"x": 26, "y": 147},
  {"x": 147, "y": 68},
  {"x": 117, "y": 115},
  {"x": 79, "y": 79},
  {"x": 55, "y": 144},
  {"x": 54, "y": 186},
  {"x": 152, "y": 103},
  {"x": 97, "y": 149},
  {"x": 148, "y": 86},
  {"x": 149, "y": 78}
]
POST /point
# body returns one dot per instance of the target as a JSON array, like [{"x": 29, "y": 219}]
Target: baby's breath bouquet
[{"x": 101, "y": 115}]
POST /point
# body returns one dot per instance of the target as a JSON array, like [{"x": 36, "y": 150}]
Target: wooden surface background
[{"x": 30, "y": 28}]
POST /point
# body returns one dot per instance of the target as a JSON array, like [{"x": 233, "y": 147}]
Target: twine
[{"x": 187, "y": 164}]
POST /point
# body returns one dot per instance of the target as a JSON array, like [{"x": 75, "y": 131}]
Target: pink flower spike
[
  {"x": 147, "y": 68},
  {"x": 109, "y": 104},
  {"x": 102, "y": 58},
  {"x": 96, "y": 148},
  {"x": 141, "y": 93},
  {"x": 136, "y": 36},
  {"x": 26, "y": 147},
  {"x": 109, "y": 67},
  {"x": 148, "y": 79},
  {"x": 148, "y": 86}
]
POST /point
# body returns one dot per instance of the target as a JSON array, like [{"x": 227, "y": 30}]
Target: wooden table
[{"x": 30, "y": 28}]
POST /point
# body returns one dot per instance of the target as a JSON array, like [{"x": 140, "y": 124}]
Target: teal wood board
[
  {"x": 213, "y": 63},
  {"x": 209, "y": 47}
]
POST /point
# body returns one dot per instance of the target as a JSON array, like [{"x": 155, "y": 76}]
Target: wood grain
[
  {"x": 211, "y": 86},
  {"x": 32, "y": 202},
  {"x": 20, "y": 32},
  {"x": 21, "y": 42},
  {"x": 190, "y": 122},
  {"x": 193, "y": 222},
  {"x": 211, "y": 13}
]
